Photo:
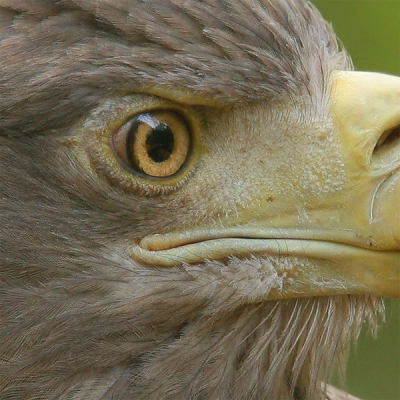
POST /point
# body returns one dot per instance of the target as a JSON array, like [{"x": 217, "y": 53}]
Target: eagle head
[{"x": 199, "y": 199}]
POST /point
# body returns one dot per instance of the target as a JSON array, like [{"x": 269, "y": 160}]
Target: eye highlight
[{"x": 155, "y": 144}]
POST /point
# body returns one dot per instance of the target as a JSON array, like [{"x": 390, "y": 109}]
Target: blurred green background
[{"x": 370, "y": 31}]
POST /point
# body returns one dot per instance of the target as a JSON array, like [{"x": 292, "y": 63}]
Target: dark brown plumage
[{"x": 86, "y": 312}]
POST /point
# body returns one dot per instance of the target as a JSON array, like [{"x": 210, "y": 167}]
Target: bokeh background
[{"x": 370, "y": 31}]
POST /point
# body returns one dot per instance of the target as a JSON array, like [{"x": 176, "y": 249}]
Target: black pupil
[{"x": 160, "y": 143}]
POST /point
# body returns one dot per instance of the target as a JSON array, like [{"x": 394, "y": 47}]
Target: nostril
[{"x": 389, "y": 140}]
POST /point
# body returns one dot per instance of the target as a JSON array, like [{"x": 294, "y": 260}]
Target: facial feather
[{"x": 85, "y": 52}]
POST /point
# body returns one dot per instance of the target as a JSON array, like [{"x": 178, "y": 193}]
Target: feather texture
[{"x": 86, "y": 51}]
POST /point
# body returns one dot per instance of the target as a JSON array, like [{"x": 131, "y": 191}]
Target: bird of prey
[{"x": 199, "y": 200}]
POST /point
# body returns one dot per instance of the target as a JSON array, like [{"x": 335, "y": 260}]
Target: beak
[
  {"x": 350, "y": 241},
  {"x": 366, "y": 111}
]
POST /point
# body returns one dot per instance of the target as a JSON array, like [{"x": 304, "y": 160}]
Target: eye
[{"x": 154, "y": 144}]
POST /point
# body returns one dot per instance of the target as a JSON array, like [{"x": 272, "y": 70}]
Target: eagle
[{"x": 199, "y": 200}]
